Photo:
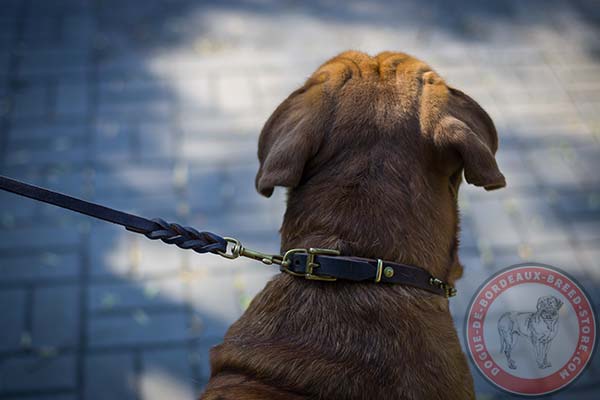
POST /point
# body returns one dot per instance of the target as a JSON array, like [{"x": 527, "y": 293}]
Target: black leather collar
[{"x": 332, "y": 267}]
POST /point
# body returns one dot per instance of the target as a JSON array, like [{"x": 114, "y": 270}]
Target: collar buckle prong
[{"x": 310, "y": 263}]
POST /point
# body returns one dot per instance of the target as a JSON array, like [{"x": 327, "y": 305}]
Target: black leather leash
[
  {"x": 184, "y": 237},
  {"x": 313, "y": 264}
]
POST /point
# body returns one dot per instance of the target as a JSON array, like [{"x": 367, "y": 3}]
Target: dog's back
[{"x": 341, "y": 342}]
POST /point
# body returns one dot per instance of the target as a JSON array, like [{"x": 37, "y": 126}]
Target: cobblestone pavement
[{"x": 155, "y": 107}]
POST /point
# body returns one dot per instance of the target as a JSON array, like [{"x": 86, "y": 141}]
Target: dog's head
[
  {"x": 548, "y": 306},
  {"x": 372, "y": 139},
  {"x": 354, "y": 101}
]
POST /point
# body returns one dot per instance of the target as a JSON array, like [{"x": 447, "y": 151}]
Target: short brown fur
[{"x": 372, "y": 150}]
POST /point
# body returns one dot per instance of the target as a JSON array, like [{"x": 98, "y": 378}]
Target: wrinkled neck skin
[{"x": 377, "y": 217}]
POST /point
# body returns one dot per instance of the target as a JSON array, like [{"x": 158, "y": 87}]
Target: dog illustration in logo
[{"x": 540, "y": 327}]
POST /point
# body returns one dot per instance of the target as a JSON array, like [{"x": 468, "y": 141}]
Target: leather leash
[{"x": 312, "y": 264}]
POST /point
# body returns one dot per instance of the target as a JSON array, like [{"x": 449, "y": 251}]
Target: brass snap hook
[{"x": 237, "y": 250}]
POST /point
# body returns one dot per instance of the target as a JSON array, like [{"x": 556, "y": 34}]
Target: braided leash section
[{"x": 187, "y": 238}]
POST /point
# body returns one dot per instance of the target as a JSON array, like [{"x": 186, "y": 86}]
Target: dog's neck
[{"x": 362, "y": 221}]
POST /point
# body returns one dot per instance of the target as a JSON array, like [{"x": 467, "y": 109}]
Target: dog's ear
[
  {"x": 559, "y": 304},
  {"x": 291, "y": 136},
  {"x": 468, "y": 131}
]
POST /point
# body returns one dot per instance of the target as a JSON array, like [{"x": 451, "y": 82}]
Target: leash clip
[{"x": 238, "y": 250}]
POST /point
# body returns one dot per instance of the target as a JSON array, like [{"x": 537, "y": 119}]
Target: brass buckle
[
  {"x": 310, "y": 263},
  {"x": 449, "y": 290}
]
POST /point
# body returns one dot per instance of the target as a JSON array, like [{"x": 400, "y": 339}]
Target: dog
[
  {"x": 540, "y": 327},
  {"x": 372, "y": 151}
]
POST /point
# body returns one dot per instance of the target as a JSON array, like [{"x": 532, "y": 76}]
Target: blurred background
[{"x": 155, "y": 107}]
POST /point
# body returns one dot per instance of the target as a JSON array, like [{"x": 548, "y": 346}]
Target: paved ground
[{"x": 155, "y": 107}]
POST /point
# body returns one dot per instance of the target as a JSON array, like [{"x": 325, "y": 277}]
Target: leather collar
[{"x": 332, "y": 267}]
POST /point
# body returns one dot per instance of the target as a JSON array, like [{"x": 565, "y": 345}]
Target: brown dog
[{"x": 372, "y": 150}]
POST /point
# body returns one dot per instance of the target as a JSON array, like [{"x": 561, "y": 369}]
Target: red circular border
[{"x": 503, "y": 379}]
